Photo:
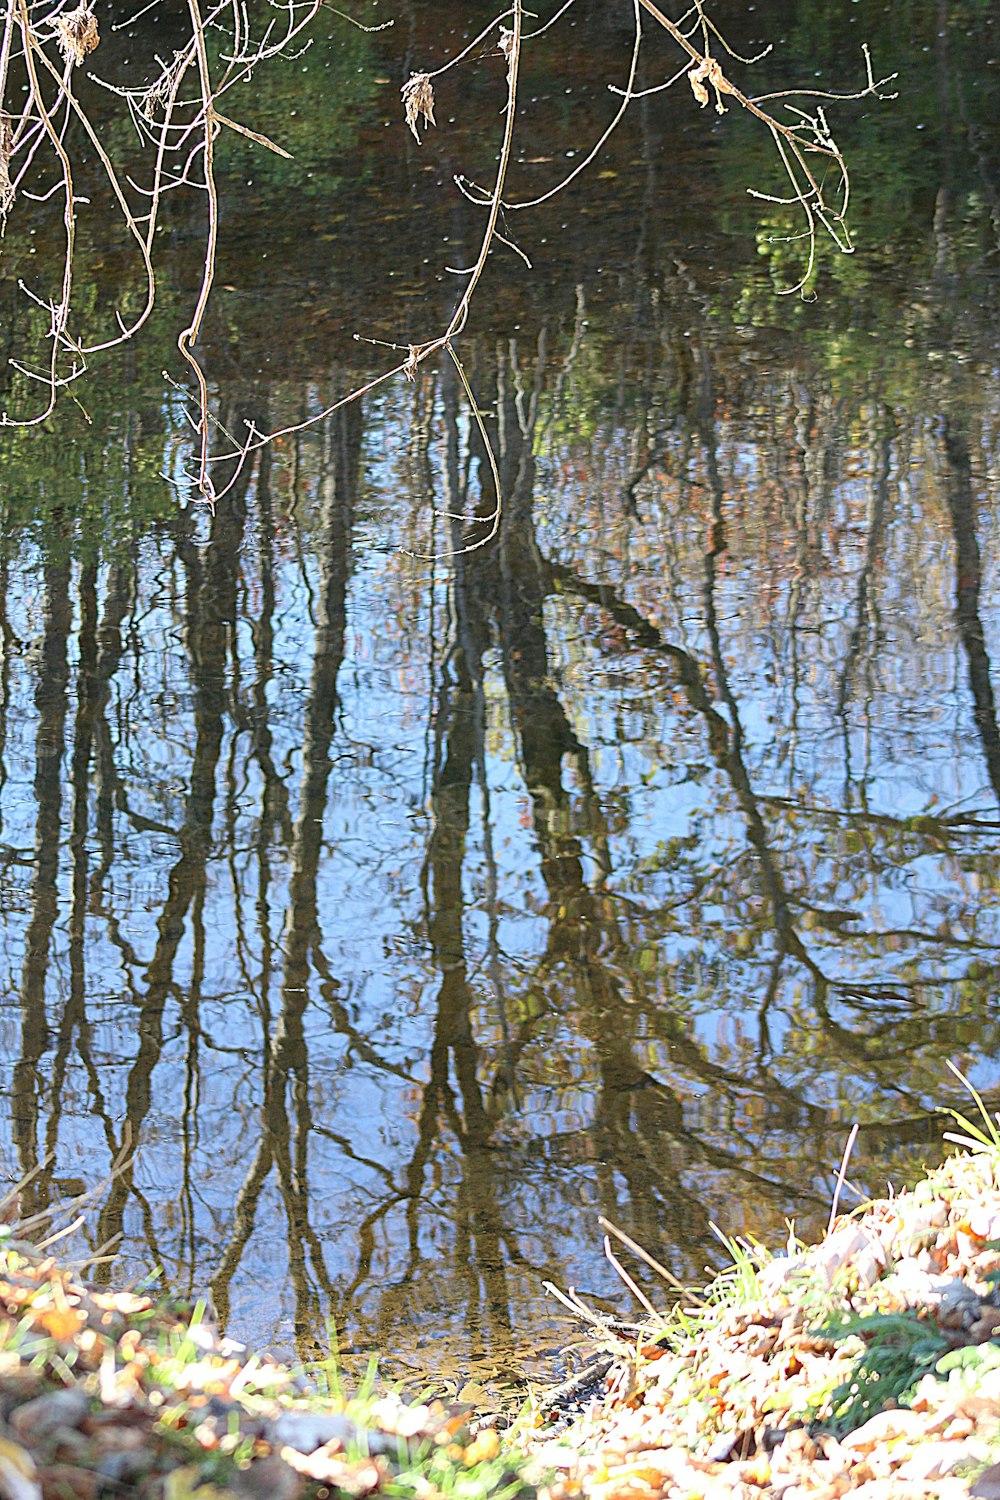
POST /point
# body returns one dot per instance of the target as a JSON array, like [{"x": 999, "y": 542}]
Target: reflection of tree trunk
[
  {"x": 289, "y": 1063},
  {"x": 274, "y": 803},
  {"x": 459, "y": 736},
  {"x": 281, "y": 1144},
  {"x": 121, "y": 587},
  {"x": 100, "y": 652},
  {"x": 480, "y": 1222},
  {"x": 638, "y": 1119},
  {"x": 211, "y": 623},
  {"x": 968, "y": 580},
  {"x": 542, "y": 728},
  {"x": 50, "y": 701},
  {"x": 866, "y": 608},
  {"x": 7, "y": 643},
  {"x": 256, "y": 716}
]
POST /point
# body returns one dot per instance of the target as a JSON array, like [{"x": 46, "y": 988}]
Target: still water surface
[{"x": 401, "y": 908}]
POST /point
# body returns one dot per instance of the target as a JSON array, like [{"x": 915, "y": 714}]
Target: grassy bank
[{"x": 867, "y": 1364}]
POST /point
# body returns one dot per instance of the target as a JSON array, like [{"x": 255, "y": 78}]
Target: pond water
[{"x": 389, "y": 908}]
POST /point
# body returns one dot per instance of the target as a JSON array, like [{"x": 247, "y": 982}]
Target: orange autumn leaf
[{"x": 61, "y": 1324}]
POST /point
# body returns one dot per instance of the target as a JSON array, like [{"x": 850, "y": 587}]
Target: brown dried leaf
[
  {"x": 709, "y": 68},
  {"x": 158, "y": 93},
  {"x": 507, "y": 48},
  {"x": 76, "y": 33},
  {"x": 698, "y": 89},
  {"x": 418, "y": 100}
]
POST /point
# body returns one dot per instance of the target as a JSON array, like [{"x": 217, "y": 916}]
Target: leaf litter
[
  {"x": 121, "y": 1393},
  {"x": 866, "y": 1365}
]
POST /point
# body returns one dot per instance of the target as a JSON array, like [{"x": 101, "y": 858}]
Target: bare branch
[{"x": 178, "y": 126}]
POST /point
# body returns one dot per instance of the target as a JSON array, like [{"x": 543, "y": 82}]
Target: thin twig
[
  {"x": 654, "y": 1265},
  {"x": 632, "y": 1285}
]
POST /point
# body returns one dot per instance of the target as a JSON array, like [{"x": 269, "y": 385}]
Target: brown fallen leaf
[{"x": 61, "y": 1324}]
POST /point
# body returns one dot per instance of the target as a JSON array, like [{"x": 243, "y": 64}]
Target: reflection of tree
[
  {"x": 703, "y": 1013},
  {"x": 51, "y": 707},
  {"x": 480, "y": 1221},
  {"x": 100, "y": 647},
  {"x": 286, "y": 1113},
  {"x": 638, "y": 1118},
  {"x": 651, "y": 1149},
  {"x": 645, "y": 1149},
  {"x": 211, "y": 612},
  {"x": 968, "y": 581},
  {"x": 882, "y": 1022}
]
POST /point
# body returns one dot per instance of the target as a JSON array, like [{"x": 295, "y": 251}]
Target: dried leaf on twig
[
  {"x": 418, "y": 100},
  {"x": 709, "y": 68},
  {"x": 507, "y": 47},
  {"x": 76, "y": 33},
  {"x": 158, "y": 93},
  {"x": 6, "y": 203}
]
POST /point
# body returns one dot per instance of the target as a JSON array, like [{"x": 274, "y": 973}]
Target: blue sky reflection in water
[{"x": 409, "y": 913}]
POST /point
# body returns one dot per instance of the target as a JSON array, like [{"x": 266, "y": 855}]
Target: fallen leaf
[{"x": 61, "y": 1325}]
